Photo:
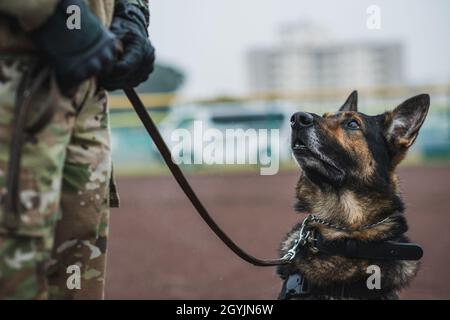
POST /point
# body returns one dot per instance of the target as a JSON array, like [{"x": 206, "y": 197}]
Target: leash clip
[{"x": 301, "y": 241}]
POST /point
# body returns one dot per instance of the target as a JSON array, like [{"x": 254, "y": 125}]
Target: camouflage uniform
[{"x": 64, "y": 174}]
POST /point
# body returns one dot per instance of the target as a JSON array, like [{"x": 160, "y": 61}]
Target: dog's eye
[{"x": 352, "y": 124}]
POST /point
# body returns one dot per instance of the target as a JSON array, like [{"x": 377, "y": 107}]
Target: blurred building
[{"x": 308, "y": 57}]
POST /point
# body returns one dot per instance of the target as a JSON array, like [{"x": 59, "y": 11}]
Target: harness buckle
[
  {"x": 312, "y": 241},
  {"x": 294, "y": 286}
]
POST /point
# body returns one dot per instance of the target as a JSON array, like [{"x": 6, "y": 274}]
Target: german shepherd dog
[{"x": 347, "y": 180}]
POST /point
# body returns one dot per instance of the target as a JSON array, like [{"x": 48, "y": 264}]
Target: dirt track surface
[{"x": 160, "y": 249}]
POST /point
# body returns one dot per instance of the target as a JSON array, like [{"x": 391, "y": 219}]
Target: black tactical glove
[
  {"x": 76, "y": 54},
  {"x": 136, "y": 62}
]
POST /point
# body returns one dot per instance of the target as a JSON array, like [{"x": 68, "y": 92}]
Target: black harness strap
[
  {"x": 296, "y": 286},
  {"x": 29, "y": 85},
  {"x": 381, "y": 250}
]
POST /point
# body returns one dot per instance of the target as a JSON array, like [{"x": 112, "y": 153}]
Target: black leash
[
  {"x": 187, "y": 189},
  {"x": 382, "y": 250}
]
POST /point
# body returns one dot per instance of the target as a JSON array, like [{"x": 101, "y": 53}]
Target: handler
[{"x": 57, "y": 57}]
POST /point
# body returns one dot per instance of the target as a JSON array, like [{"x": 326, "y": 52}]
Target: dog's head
[{"x": 348, "y": 150}]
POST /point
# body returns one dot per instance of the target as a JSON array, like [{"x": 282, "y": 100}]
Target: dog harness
[{"x": 297, "y": 286}]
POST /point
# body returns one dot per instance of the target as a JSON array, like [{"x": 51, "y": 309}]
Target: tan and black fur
[{"x": 347, "y": 176}]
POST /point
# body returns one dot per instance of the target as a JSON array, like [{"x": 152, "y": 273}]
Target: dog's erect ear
[
  {"x": 403, "y": 123},
  {"x": 351, "y": 104}
]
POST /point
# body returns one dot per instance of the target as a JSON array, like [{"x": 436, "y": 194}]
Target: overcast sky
[{"x": 208, "y": 39}]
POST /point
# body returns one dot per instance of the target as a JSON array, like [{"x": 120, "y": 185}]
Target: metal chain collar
[
  {"x": 306, "y": 235},
  {"x": 341, "y": 228},
  {"x": 302, "y": 239}
]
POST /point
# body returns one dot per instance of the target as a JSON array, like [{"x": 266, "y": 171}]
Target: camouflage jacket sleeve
[
  {"x": 142, "y": 4},
  {"x": 30, "y": 13}
]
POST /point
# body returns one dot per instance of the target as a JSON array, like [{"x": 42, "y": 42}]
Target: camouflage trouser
[{"x": 63, "y": 190}]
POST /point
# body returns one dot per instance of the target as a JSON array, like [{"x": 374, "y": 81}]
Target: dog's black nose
[{"x": 301, "y": 119}]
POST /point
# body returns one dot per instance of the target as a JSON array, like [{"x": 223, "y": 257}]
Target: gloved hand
[
  {"x": 136, "y": 62},
  {"x": 75, "y": 54}
]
